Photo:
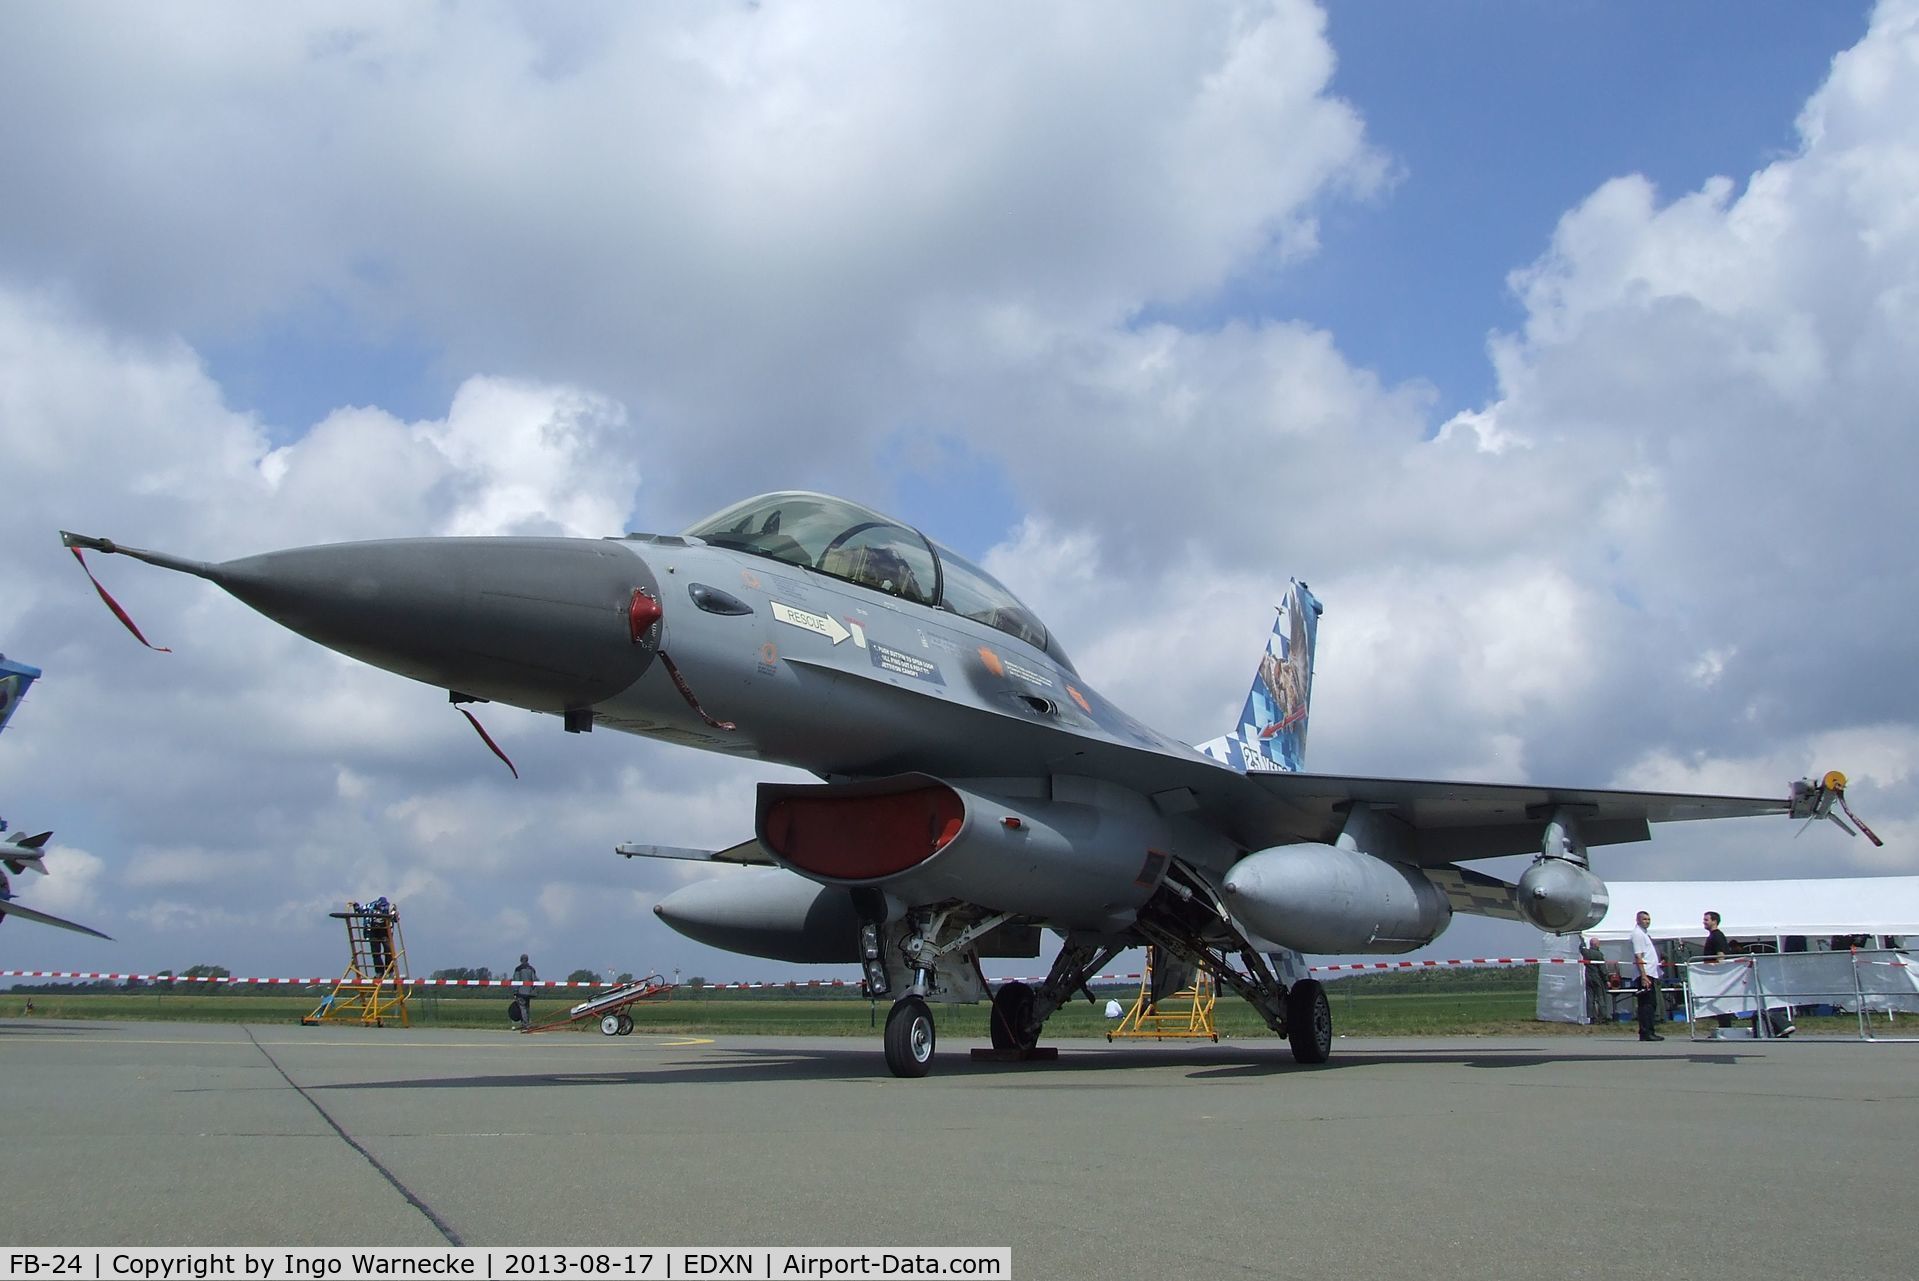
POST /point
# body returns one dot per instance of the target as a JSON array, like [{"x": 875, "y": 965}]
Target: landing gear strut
[
  {"x": 1019, "y": 1011},
  {"x": 1188, "y": 920},
  {"x": 926, "y": 957}
]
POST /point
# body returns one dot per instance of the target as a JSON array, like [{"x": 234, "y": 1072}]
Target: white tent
[
  {"x": 1764, "y": 910},
  {"x": 1817, "y": 909}
]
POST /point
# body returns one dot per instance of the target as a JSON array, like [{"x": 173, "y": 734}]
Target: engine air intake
[{"x": 857, "y": 838}]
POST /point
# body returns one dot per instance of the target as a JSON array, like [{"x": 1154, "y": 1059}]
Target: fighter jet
[
  {"x": 973, "y": 788},
  {"x": 21, "y": 852},
  {"x": 18, "y": 854}
]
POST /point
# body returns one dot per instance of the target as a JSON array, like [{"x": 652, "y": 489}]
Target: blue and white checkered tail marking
[
  {"x": 14, "y": 679},
  {"x": 1271, "y": 735}
]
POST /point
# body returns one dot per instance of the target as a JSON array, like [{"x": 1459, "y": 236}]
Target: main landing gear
[
  {"x": 1013, "y": 1026},
  {"x": 1188, "y": 920},
  {"x": 1309, "y": 1021},
  {"x": 1299, "y": 1012}
]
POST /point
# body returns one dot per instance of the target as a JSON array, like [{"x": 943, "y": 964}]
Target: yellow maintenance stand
[
  {"x": 374, "y": 987},
  {"x": 1177, "y": 1007}
]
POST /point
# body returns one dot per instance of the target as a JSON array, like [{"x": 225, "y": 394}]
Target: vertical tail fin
[
  {"x": 14, "y": 679},
  {"x": 1271, "y": 734}
]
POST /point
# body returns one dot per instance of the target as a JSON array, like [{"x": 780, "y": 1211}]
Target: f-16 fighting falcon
[
  {"x": 974, "y": 789},
  {"x": 21, "y": 852}
]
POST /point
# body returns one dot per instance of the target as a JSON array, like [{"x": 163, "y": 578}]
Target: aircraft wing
[
  {"x": 1446, "y": 822},
  {"x": 1449, "y": 821},
  {"x": 10, "y": 908}
]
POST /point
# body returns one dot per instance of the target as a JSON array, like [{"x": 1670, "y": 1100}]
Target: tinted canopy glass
[
  {"x": 832, "y": 536},
  {"x": 971, "y": 592},
  {"x": 860, "y": 545}
]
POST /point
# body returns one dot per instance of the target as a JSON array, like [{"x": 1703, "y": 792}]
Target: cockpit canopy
[{"x": 847, "y": 541}]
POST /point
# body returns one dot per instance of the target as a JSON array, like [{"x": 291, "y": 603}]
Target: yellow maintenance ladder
[
  {"x": 374, "y": 987},
  {"x": 1183, "y": 1014}
]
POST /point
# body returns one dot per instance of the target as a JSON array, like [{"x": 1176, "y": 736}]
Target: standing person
[
  {"x": 525, "y": 975},
  {"x": 1598, "y": 999},
  {"x": 1645, "y": 959},
  {"x": 379, "y": 934},
  {"x": 1714, "y": 950}
]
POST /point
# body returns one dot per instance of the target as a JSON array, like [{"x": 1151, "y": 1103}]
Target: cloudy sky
[{"x": 1568, "y": 352}]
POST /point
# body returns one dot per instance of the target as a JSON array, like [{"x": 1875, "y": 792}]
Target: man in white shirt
[{"x": 1645, "y": 959}]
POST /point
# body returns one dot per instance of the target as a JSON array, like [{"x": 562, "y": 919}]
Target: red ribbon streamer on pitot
[{"x": 114, "y": 605}]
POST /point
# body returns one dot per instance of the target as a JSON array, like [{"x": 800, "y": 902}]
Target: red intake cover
[{"x": 859, "y": 838}]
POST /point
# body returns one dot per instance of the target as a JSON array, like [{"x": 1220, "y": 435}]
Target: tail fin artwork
[
  {"x": 14, "y": 679},
  {"x": 1271, "y": 735}
]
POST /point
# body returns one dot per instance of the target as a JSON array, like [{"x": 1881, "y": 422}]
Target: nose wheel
[{"x": 910, "y": 1037}]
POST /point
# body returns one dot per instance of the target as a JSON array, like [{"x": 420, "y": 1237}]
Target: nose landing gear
[{"x": 910, "y": 1037}]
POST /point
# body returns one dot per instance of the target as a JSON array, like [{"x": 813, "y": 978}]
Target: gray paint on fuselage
[{"x": 805, "y": 700}]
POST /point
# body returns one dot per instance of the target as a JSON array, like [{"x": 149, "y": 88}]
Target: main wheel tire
[
  {"x": 609, "y": 1025},
  {"x": 1309, "y": 1021},
  {"x": 626, "y": 1024},
  {"x": 1013, "y": 1016},
  {"x": 910, "y": 1037}
]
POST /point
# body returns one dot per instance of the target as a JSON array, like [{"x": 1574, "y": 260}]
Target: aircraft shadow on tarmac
[
  {"x": 748, "y": 1063},
  {"x": 1504, "y": 1059},
  {"x": 35, "y": 1029}
]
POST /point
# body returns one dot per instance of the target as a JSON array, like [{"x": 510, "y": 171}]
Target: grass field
[
  {"x": 1491, "y": 1004},
  {"x": 1487, "y": 1002}
]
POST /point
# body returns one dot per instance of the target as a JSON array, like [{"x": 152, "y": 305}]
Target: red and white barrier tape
[
  {"x": 780, "y": 984},
  {"x": 329, "y": 979},
  {"x": 1434, "y": 965}
]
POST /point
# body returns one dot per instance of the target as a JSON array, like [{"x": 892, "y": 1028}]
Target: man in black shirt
[{"x": 1715, "y": 950}]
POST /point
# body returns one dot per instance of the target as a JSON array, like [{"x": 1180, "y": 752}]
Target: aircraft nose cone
[{"x": 547, "y": 623}]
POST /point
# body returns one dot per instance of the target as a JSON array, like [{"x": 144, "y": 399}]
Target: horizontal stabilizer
[{"x": 747, "y": 854}]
